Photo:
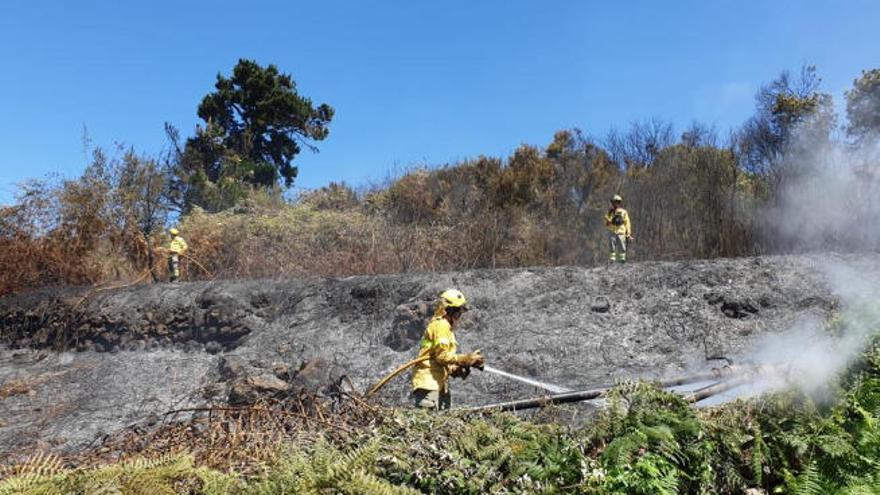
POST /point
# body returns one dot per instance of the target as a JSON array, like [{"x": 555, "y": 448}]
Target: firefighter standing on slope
[
  {"x": 430, "y": 378},
  {"x": 176, "y": 248},
  {"x": 619, "y": 229}
]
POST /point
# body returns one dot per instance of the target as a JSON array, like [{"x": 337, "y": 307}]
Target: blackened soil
[{"x": 76, "y": 365}]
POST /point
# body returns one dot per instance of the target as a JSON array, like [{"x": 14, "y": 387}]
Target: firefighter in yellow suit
[
  {"x": 619, "y": 229},
  {"x": 177, "y": 248},
  {"x": 430, "y": 380}
]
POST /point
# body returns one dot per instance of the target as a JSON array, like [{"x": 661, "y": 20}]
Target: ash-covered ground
[{"x": 77, "y": 365}]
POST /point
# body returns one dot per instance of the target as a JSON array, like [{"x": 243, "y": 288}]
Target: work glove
[
  {"x": 473, "y": 359},
  {"x": 458, "y": 371}
]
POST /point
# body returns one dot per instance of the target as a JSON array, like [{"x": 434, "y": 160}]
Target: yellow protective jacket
[
  {"x": 623, "y": 229},
  {"x": 439, "y": 343},
  {"x": 178, "y": 245}
]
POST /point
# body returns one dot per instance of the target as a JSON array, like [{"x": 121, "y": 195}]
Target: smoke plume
[{"x": 828, "y": 206}]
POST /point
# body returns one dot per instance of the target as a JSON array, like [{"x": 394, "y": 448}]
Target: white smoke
[
  {"x": 829, "y": 197},
  {"x": 829, "y": 203}
]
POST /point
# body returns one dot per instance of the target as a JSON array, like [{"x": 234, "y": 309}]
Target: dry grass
[
  {"x": 23, "y": 386},
  {"x": 539, "y": 207},
  {"x": 16, "y": 387},
  {"x": 242, "y": 438}
]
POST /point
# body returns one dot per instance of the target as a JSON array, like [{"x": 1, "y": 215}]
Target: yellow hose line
[
  {"x": 390, "y": 376},
  {"x": 196, "y": 262},
  {"x": 141, "y": 277}
]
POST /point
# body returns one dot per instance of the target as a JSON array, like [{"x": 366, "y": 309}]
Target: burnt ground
[{"x": 78, "y": 365}]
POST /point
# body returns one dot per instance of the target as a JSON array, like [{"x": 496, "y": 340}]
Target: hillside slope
[{"x": 76, "y": 365}]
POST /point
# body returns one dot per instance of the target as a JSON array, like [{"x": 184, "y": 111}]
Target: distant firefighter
[
  {"x": 176, "y": 248},
  {"x": 619, "y": 229}
]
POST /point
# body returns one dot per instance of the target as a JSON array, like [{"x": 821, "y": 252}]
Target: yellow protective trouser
[
  {"x": 618, "y": 246},
  {"x": 432, "y": 399},
  {"x": 174, "y": 267}
]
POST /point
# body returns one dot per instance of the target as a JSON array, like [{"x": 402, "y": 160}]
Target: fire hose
[
  {"x": 728, "y": 377},
  {"x": 723, "y": 379},
  {"x": 390, "y": 376}
]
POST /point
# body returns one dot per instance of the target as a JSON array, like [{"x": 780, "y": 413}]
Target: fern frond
[
  {"x": 362, "y": 483},
  {"x": 808, "y": 482},
  {"x": 41, "y": 464}
]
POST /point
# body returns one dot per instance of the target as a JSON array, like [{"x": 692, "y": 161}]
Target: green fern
[
  {"x": 807, "y": 482},
  {"x": 758, "y": 455},
  {"x": 32, "y": 476}
]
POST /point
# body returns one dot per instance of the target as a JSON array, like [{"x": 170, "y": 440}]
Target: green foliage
[
  {"x": 787, "y": 107},
  {"x": 256, "y": 123},
  {"x": 324, "y": 468},
  {"x": 646, "y": 441},
  {"x": 863, "y": 105},
  {"x": 258, "y": 116},
  {"x": 648, "y": 438},
  {"x": 496, "y": 454},
  {"x": 165, "y": 475}
]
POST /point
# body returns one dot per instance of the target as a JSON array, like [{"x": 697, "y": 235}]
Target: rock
[
  {"x": 137, "y": 345},
  {"x": 268, "y": 383},
  {"x": 253, "y": 388},
  {"x": 735, "y": 306},
  {"x": 600, "y": 304},
  {"x": 232, "y": 367},
  {"x": 281, "y": 370},
  {"x": 738, "y": 309},
  {"x": 314, "y": 375},
  {"x": 713, "y": 298},
  {"x": 193, "y": 346},
  {"x": 766, "y": 301},
  {"x": 215, "y": 392},
  {"x": 152, "y": 419},
  {"x": 213, "y": 347},
  {"x": 815, "y": 301},
  {"x": 408, "y": 325}
]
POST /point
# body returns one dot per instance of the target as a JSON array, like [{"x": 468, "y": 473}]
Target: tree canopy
[
  {"x": 255, "y": 124},
  {"x": 786, "y": 107},
  {"x": 263, "y": 119},
  {"x": 863, "y": 105}
]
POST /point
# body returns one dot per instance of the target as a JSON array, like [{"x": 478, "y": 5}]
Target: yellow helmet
[
  {"x": 450, "y": 298},
  {"x": 617, "y": 198},
  {"x": 173, "y": 231}
]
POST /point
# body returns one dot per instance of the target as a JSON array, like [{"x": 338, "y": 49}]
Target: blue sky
[{"x": 412, "y": 82}]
